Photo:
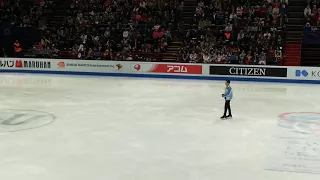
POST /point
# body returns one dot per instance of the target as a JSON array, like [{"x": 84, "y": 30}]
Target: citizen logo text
[{"x": 247, "y": 71}]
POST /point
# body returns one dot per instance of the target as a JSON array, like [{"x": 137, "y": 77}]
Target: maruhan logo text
[{"x": 247, "y": 71}]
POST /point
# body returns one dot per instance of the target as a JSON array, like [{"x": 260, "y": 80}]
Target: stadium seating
[
  {"x": 220, "y": 31},
  {"x": 248, "y": 33}
]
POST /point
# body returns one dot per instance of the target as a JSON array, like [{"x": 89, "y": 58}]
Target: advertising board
[
  {"x": 167, "y": 68},
  {"x": 304, "y": 73},
  {"x": 16, "y": 63},
  {"x": 261, "y": 71},
  {"x": 88, "y": 66},
  {"x": 292, "y": 74}
]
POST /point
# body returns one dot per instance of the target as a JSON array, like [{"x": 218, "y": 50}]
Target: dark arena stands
[
  {"x": 209, "y": 31},
  {"x": 311, "y": 36}
]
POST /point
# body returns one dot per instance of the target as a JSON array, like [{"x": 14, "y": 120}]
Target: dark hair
[{"x": 228, "y": 81}]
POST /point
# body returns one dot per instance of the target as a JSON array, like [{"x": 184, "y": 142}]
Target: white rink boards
[{"x": 78, "y": 127}]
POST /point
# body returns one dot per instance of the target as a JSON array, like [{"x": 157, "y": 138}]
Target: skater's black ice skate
[{"x": 223, "y": 117}]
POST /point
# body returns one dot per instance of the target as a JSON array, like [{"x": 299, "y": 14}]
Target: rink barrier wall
[{"x": 281, "y": 74}]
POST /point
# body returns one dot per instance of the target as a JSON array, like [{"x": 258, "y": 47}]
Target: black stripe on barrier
[{"x": 248, "y": 71}]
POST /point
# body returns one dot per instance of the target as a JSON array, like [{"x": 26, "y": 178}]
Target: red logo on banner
[
  {"x": 177, "y": 69},
  {"x": 137, "y": 67},
  {"x": 61, "y": 65},
  {"x": 19, "y": 64}
]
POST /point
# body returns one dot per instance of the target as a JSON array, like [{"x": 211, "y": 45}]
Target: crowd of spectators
[
  {"x": 312, "y": 13},
  {"x": 113, "y": 29},
  {"x": 249, "y": 33},
  {"x": 22, "y": 16},
  {"x": 26, "y": 13}
]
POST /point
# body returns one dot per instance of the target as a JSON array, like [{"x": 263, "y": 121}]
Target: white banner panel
[
  {"x": 208, "y": 71},
  {"x": 137, "y": 67},
  {"x": 75, "y": 65},
  {"x": 26, "y": 64},
  {"x": 304, "y": 73},
  {"x": 89, "y": 66}
]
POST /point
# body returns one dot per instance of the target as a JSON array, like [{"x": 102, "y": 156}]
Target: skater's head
[{"x": 227, "y": 83}]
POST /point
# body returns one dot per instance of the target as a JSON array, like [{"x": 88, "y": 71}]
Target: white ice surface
[{"x": 145, "y": 129}]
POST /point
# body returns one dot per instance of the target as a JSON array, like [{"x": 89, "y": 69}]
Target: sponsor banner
[
  {"x": 62, "y": 65},
  {"x": 11, "y": 63},
  {"x": 88, "y": 66},
  {"x": 167, "y": 68},
  {"x": 104, "y": 66},
  {"x": 248, "y": 71},
  {"x": 305, "y": 73}
]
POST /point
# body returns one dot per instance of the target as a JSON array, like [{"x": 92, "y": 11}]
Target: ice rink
[{"x": 103, "y": 128}]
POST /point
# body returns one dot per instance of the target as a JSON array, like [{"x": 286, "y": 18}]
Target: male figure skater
[{"x": 228, "y": 97}]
